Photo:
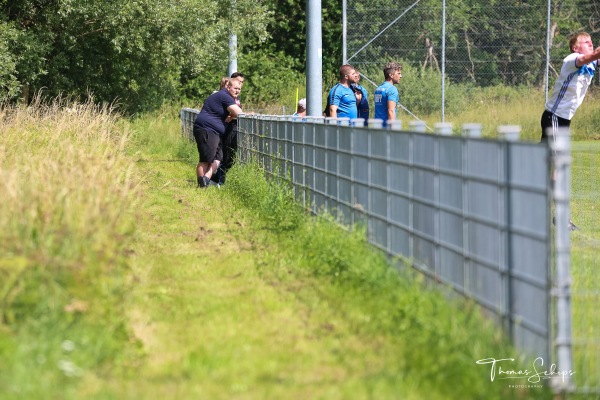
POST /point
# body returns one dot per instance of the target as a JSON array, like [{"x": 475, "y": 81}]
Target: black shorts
[
  {"x": 552, "y": 121},
  {"x": 209, "y": 145}
]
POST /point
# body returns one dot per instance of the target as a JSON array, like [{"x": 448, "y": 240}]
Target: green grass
[
  {"x": 585, "y": 263},
  {"x": 504, "y": 105},
  {"x": 68, "y": 201},
  {"x": 264, "y": 302},
  {"x": 216, "y": 294}
]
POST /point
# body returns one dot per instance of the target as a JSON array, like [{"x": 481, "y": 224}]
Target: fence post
[
  {"x": 357, "y": 122},
  {"x": 509, "y": 132},
  {"x": 375, "y": 123},
  {"x": 395, "y": 125},
  {"x": 561, "y": 150},
  {"x": 471, "y": 130},
  {"x": 417, "y": 126},
  {"x": 443, "y": 128}
]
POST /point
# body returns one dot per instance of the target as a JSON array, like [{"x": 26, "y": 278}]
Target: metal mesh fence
[
  {"x": 469, "y": 212},
  {"x": 388, "y": 178}
]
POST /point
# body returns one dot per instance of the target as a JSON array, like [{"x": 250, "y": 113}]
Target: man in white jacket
[{"x": 571, "y": 86}]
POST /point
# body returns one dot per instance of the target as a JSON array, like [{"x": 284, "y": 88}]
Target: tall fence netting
[{"x": 474, "y": 43}]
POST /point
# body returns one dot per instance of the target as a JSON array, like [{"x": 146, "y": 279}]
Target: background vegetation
[{"x": 144, "y": 53}]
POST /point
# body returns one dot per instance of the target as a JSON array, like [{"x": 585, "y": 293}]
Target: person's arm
[
  {"x": 391, "y": 110},
  {"x": 333, "y": 111},
  {"x": 234, "y": 111},
  {"x": 359, "y": 96},
  {"x": 587, "y": 58}
]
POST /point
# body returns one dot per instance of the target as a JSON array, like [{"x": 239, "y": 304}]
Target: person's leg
[
  {"x": 208, "y": 144},
  {"x": 546, "y": 123},
  {"x": 231, "y": 145},
  {"x": 212, "y": 169},
  {"x": 550, "y": 124},
  {"x": 219, "y": 172}
]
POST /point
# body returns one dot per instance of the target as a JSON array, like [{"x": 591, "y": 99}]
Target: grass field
[
  {"x": 119, "y": 279},
  {"x": 586, "y": 263}
]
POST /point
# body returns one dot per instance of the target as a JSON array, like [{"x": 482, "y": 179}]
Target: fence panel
[{"x": 472, "y": 213}]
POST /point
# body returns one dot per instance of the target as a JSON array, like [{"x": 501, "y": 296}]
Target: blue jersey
[
  {"x": 214, "y": 112},
  {"x": 343, "y": 97},
  {"x": 384, "y": 93},
  {"x": 363, "y": 107}
]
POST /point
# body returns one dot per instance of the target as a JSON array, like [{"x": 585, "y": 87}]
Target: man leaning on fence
[
  {"x": 217, "y": 112},
  {"x": 229, "y": 140}
]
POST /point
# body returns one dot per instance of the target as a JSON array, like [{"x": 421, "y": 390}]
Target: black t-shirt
[{"x": 214, "y": 112}]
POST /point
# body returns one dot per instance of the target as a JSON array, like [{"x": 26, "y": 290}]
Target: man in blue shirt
[
  {"x": 342, "y": 101},
  {"x": 386, "y": 95}
]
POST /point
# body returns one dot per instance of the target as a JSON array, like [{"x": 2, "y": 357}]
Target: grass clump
[{"x": 65, "y": 221}]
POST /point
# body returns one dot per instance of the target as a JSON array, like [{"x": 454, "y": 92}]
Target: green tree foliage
[
  {"x": 9, "y": 85},
  {"x": 288, "y": 32},
  {"x": 274, "y": 65},
  {"x": 142, "y": 53},
  {"x": 134, "y": 51}
]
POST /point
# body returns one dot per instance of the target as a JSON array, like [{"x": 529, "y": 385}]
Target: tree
[{"x": 132, "y": 51}]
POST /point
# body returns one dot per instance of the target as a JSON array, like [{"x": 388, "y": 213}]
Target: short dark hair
[
  {"x": 237, "y": 75},
  {"x": 345, "y": 70},
  {"x": 389, "y": 69}
]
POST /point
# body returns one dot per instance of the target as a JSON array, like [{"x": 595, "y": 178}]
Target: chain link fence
[{"x": 476, "y": 44}]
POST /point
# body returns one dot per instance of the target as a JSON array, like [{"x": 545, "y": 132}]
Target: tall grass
[
  {"x": 585, "y": 247},
  {"x": 66, "y": 218}
]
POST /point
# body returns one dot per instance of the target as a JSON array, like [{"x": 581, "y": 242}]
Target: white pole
[
  {"x": 232, "y": 67},
  {"x": 344, "y": 32},
  {"x": 561, "y": 148},
  {"x": 314, "y": 59}
]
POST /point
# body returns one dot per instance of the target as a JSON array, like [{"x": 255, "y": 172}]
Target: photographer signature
[{"x": 533, "y": 376}]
